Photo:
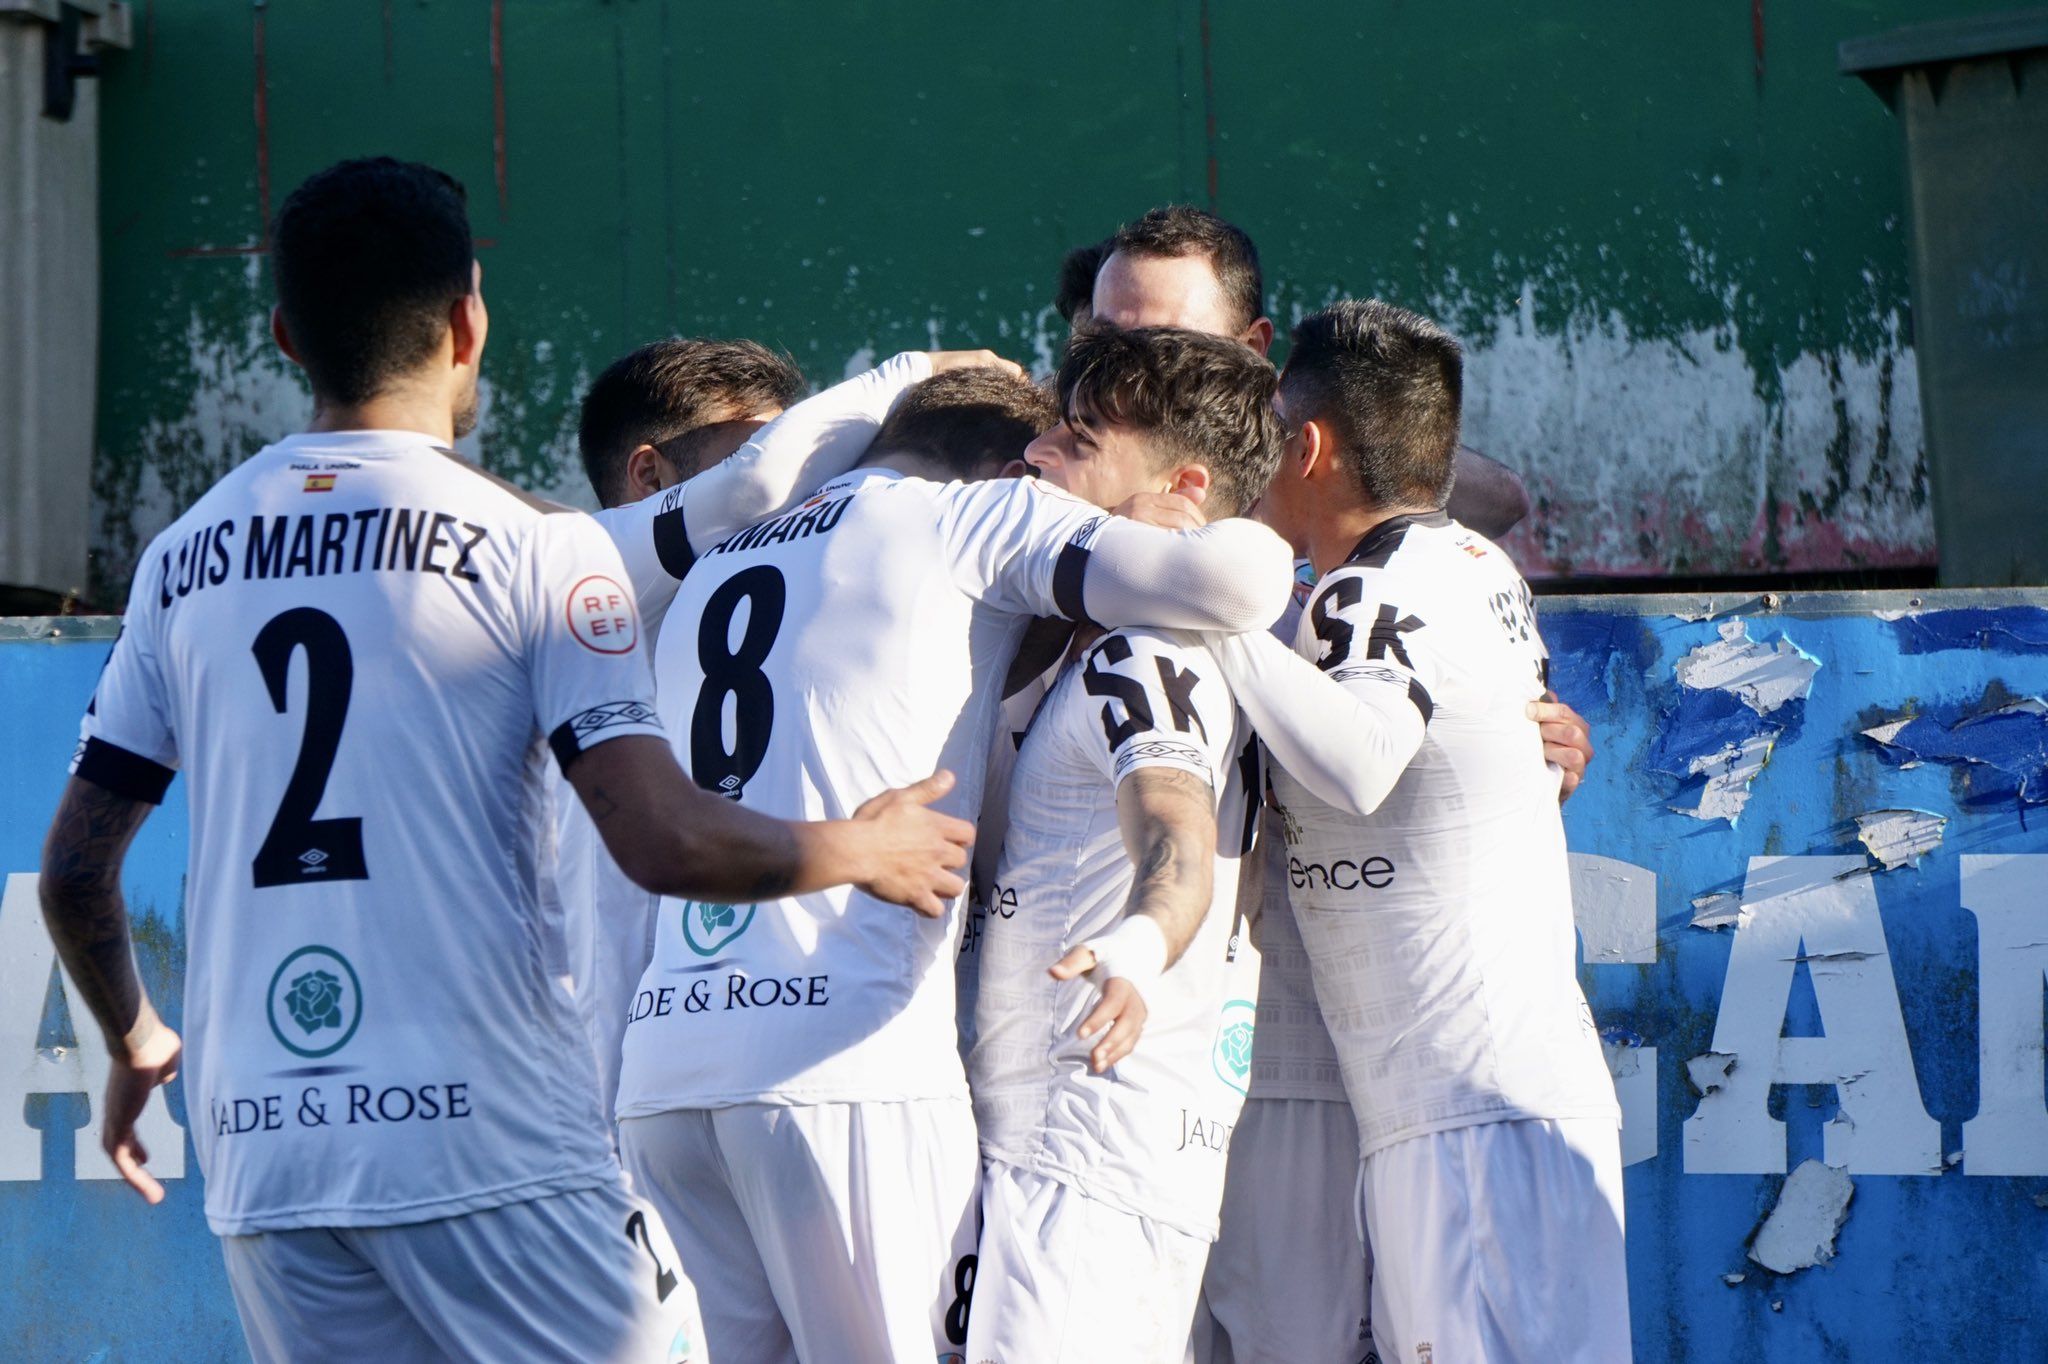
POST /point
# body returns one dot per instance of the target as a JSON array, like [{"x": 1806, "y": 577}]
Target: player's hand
[
  {"x": 1567, "y": 740},
  {"x": 1119, "y": 1014},
  {"x": 1168, "y": 511},
  {"x": 913, "y": 850},
  {"x": 943, "y": 360},
  {"x": 153, "y": 1063}
]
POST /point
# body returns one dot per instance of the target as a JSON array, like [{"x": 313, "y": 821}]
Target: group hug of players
[{"x": 581, "y": 957}]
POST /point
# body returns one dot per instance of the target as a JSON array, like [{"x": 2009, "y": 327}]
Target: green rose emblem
[
  {"x": 1236, "y": 1048},
  {"x": 715, "y": 917},
  {"x": 315, "y": 1000}
]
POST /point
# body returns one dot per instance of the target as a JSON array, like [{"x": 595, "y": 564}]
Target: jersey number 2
[
  {"x": 736, "y": 672},
  {"x": 300, "y": 848}
]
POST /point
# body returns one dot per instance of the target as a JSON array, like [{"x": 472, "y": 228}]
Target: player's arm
[
  {"x": 1168, "y": 819},
  {"x": 1348, "y": 742},
  {"x": 672, "y": 837},
  {"x": 88, "y": 920},
  {"x": 1034, "y": 550}
]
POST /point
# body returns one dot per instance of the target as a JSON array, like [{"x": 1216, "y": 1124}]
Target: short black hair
[
  {"x": 970, "y": 422},
  {"x": 1183, "y": 230},
  {"x": 1202, "y": 399},
  {"x": 668, "y": 389},
  {"x": 368, "y": 257},
  {"x": 1388, "y": 384},
  {"x": 1077, "y": 279}
]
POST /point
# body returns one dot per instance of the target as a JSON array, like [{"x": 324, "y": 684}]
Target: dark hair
[
  {"x": 664, "y": 391},
  {"x": 1077, "y": 279},
  {"x": 1181, "y": 230},
  {"x": 969, "y": 421},
  {"x": 1202, "y": 399},
  {"x": 1388, "y": 384},
  {"x": 368, "y": 257}
]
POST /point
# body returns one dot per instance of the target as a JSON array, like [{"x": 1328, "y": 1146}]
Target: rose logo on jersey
[
  {"x": 601, "y": 616},
  {"x": 708, "y": 928},
  {"x": 315, "y": 1002},
  {"x": 1232, "y": 1054}
]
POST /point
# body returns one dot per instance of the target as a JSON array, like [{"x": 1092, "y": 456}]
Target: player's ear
[
  {"x": 646, "y": 473},
  {"x": 1016, "y": 468},
  {"x": 1191, "y": 481},
  {"x": 1259, "y": 336},
  {"x": 467, "y": 324},
  {"x": 282, "y": 335},
  {"x": 1314, "y": 456}
]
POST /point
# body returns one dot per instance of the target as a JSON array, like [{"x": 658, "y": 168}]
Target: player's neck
[
  {"x": 1339, "y": 532},
  {"x": 396, "y": 411}
]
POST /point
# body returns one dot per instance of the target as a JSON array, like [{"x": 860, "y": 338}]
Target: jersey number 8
[{"x": 736, "y": 672}]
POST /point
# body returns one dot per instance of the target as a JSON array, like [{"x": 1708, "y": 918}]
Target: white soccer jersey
[
  {"x": 1149, "y": 1137},
  {"x": 360, "y": 650},
  {"x": 609, "y": 921},
  {"x": 817, "y": 659},
  {"x": 1295, "y": 1058},
  {"x": 1439, "y": 927}
]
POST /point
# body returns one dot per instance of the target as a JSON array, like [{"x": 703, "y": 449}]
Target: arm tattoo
[
  {"x": 1175, "y": 838},
  {"x": 81, "y": 895}
]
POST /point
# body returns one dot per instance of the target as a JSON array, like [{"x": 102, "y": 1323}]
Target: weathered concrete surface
[
  {"x": 1672, "y": 237},
  {"x": 49, "y": 318}
]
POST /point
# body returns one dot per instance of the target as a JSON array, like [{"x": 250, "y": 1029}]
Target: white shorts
[
  {"x": 1500, "y": 1244},
  {"x": 822, "y": 1233},
  {"x": 1064, "y": 1279},
  {"x": 1288, "y": 1279},
  {"x": 580, "y": 1276}
]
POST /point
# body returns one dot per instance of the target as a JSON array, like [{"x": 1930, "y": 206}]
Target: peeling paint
[
  {"x": 1718, "y": 910},
  {"x": 1733, "y": 705},
  {"x": 1614, "y": 904},
  {"x": 1999, "y": 629},
  {"x": 1900, "y": 838},
  {"x": 1761, "y": 677},
  {"x": 1799, "y": 1231},
  {"x": 2005, "y": 749},
  {"x": 1710, "y": 1071}
]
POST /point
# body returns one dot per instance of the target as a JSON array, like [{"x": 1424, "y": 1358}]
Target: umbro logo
[
  {"x": 611, "y": 713},
  {"x": 312, "y": 858}
]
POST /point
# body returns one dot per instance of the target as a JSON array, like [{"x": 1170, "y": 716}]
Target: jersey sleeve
[
  {"x": 1153, "y": 704},
  {"x": 1346, "y": 720},
  {"x": 812, "y": 443},
  {"x": 580, "y": 632},
  {"x": 127, "y": 744},
  {"x": 1030, "y": 548}
]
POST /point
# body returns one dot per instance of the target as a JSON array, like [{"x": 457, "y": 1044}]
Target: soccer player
[
  {"x": 1438, "y": 926},
  {"x": 1182, "y": 267},
  {"x": 676, "y": 407},
  {"x": 696, "y": 429},
  {"x": 1133, "y": 798},
  {"x": 363, "y": 650},
  {"x": 1288, "y": 1278},
  {"x": 792, "y": 1098}
]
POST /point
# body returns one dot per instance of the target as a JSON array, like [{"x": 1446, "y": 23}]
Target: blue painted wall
[{"x": 1926, "y": 1265}]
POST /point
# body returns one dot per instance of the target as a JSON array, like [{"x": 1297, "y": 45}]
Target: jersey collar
[{"x": 1382, "y": 540}]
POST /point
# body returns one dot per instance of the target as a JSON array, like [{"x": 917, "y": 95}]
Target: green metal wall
[{"x": 1671, "y": 233}]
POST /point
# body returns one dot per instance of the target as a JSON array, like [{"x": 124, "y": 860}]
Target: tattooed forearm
[
  {"x": 88, "y": 922},
  {"x": 1169, "y": 825}
]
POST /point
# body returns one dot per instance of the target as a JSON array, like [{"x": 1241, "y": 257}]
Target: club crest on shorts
[
  {"x": 708, "y": 928},
  {"x": 1232, "y": 1053},
  {"x": 315, "y": 1002}
]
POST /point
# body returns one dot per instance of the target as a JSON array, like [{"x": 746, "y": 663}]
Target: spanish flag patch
[{"x": 319, "y": 483}]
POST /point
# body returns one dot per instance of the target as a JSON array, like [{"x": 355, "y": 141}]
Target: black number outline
[{"x": 736, "y": 672}]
